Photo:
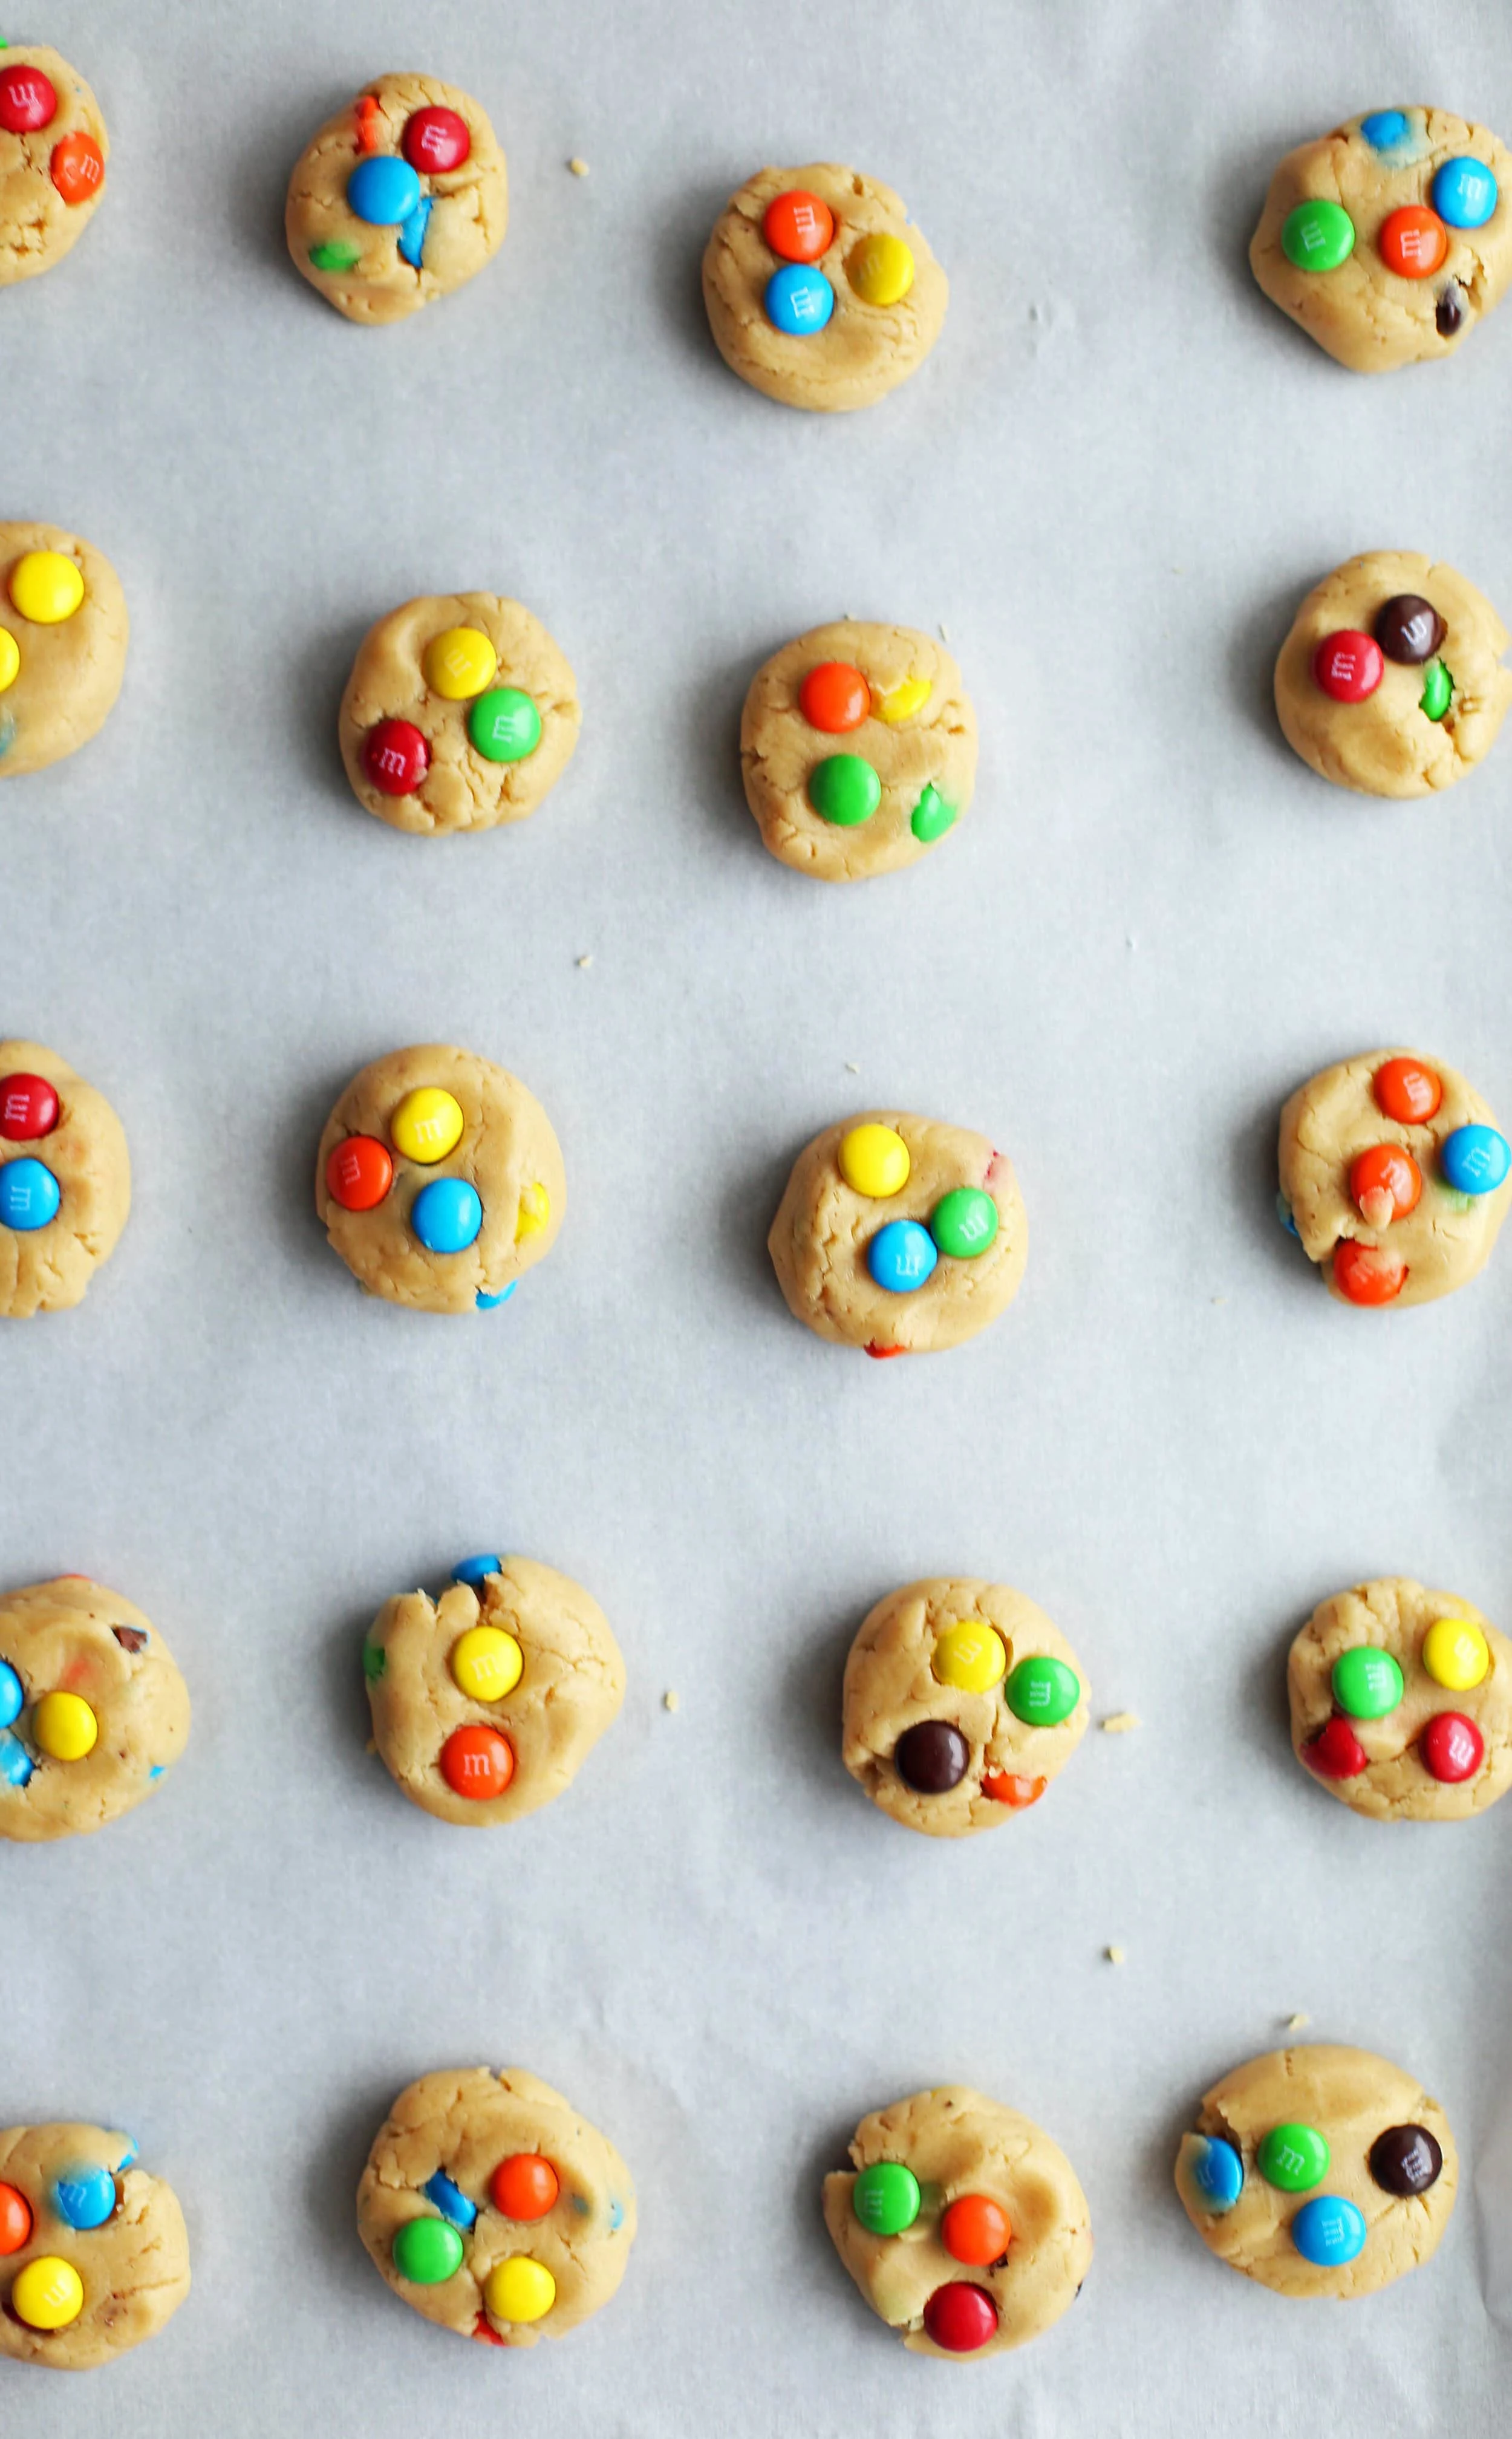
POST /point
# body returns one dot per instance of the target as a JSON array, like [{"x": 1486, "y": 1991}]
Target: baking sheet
[{"x": 1112, "y": 483}]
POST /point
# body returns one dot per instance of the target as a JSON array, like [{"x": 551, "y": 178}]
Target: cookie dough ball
[
  {"x": 93, "y": 2255},
  {"x": 858, "y": 748},
  {"x": 65, "y": 1182},
  {"x": 487, "y": 1702},
  {"x": 64, "y": 631},
  {"x": 460, "y": 713},
  {"x": 1318, "y": 2171},
  {"x": 962, "y": 1701},
  {"x": 398, "y": 200},
  {"x": 819, "y": 289},
  {"x": 439, "y": 1180},
  {"x": 1389, "y": 238},
  {"x": 1391, "y": 680},
  {"x": 53, "y": 151},
  {"x": 1401, "y": 1702},
  {"x": 1393, "y": 1178},
  {"x": 962, "y": 2224},
  {"x": 494, "y": 2209},
  {"x": 93, "y": 1710},
  {"x": 899, "y": 1234}
]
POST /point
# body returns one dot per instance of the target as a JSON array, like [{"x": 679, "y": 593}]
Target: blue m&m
[
  {"x": 84, "y": 2197},
  {"x": 449, "y": 2200},
  {"x": 28, "y": 1195},
  {"x": 446, "y": 1215},
  {"x": 1475, "y": 1160},
  {"x": 1465, "y": 192},
  {"x": 15, "y": 1762},
  {"x": 1385, "y": 129},
  {"x": 477, "y": 1570},
  {"x": 799, "y": 299},
  {"x": 1328, "y": 2231},
  {"x": 1217, "y": 2171},
  {"x": 383, "y": 190},
  {"x": 12, "y": 1695},
  {"x": 902, "y": 1256}
]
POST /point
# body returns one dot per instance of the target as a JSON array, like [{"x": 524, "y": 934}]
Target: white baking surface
[{"x": 1112, "y": 483}]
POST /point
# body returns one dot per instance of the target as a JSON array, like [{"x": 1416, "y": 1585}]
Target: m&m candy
[
  {"x": 1348, "y": 666},
  {"x": 28, "y": 1108},
  {"x": 1043, "y": 1691},
  {"x": 1385, "y": 129},
  {"x": 970, "y": 1656},
  {"x": 1329, "y": 2231},
  {"x": 798, "y": 227},
  {"x": 520, "y": 2290},
  {"x": 1336, "y": 1752},
  {"x": 427, "y": 2251},
  {"x": 1413, "y": 241},
  {"x": 1406, "y": 2159},
  {"x": 486, "y": 1663},
  {"x": 963, "y": 1222},
  {"x": 427, "y": 1124},
  {"x": 960, "y": 2318},
  {"x": 1318, "y": 234},
  {"x": 834, "y": 697},
  {"x": 1464, "y": 192},
  {"x": 931, "y": 816},
  {"x": 84, "y": 2197},
  {"x": 881, "y": 268},
  {"x": 477, "y": 1570},
  {"x": 885, "y": 2198},
  {"x": 48, "y": 2293},
  {"x": 902, "y": 1256},
  {"x": 1367, "y": 1274},
  {"x": 29, "y": 100},
  {"x": 1438, "y": 691},
  {"x": 383, "y": 190},
  {"x": 1385, "y": 1184},
  {"x": 447, "y": 1215},
  {"x": 503, "y": 725},
  {"x": 30, "y": 1195},
  {"x": 15, "y": 2219},
  {"x": 974, "y": 2230},
  {"x": 435, "y": 139},
  {"x": 932, "y": 1756},
  {"x": 1455, "y": 1654},
  {"x": 10, "y": 660},
  {"x": 525, "y": 2186},
  {"x": 459, "y": 663},
  {"x": 359, "y": 1173},
  {"x": 1367, "y": 1682},
  {"x": 64, "y": 1727},
  {"x": 77, "y": 168},
  {"x": 1009, "y": 1787},
  {"x": 1408, "y": 629},
  {"x": 1451, "y": 1748},
  {"x": 12, "y": 1695},
  {"x": 1217, "y": 2171},
  {"x": 395, "y": 756},
  {"x": 47, "y": 587},
  {"x": 1475, "y": 1160},
  {"x": 799, "y": 300},
  {"x": 875, "y": 1160},
  {"x": 1293, "y": 2158},
  {"x": 1407, "y": 1090},
  {"x": 477, "y": 1762},
  {"x": 844, "y": 789},
  {"x": 449, "y": 2200}
]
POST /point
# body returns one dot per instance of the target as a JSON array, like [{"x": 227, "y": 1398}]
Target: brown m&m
[
  {"x": 1406, "y": 2159},
  {"x": 932, "y": 1756},
  {"x": 1408, "y": 629}
]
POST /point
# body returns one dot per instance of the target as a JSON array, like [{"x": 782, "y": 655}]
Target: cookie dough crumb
[
  {"x": 578, "y": 166},
  {"x": 1119, "y": 1723},
  {"x": 1298, "y": 2022},
  {"x": 852, "y": 1067},
  {"x": 1115, "y": 1955},
  {"x": 669, "y": 1699},
  {"x": 586, "y": 961},
  {"x": 945, "y": 633}
]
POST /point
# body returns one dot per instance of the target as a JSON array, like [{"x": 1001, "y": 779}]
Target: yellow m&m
[
  {"x": 426, "y": 1125},
  {"x": 535, "y": 1210},
  {"x": 486, "y": 1663},
  {"x": 48, "y": 2293},
  {"x": 1455, "y": 1653},
  {"x": 875, "y": 1161},
  {"x": 904, "y": 701},
  {"x": 46, "y": 587},
  {"x": 520, "y": 2288},
  {"x": 459, "y": 664},
  {"x": 970, "y": 1656},
  {"x": 64, "y": 1727},
  {"x": 10, "y": 659},
  {"x": 881, "y": 268}
]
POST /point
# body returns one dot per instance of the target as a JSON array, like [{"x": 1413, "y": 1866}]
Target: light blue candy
[
  {"x": 491, "y": 1304},
  {"x": 28, "y": 1195},
  {"x": 1283, "y": 1212},
  {"x": 446, "y": 1215},
  {"x": 15, "y": 1762},
  {"x": 476, "y": 1571},
  {"x": 8, "y": 732},
  {"x": 1465, "y": 192},
  {"x": 450, "y": 2200},
  {"x": 411, "y": 236},
  {"x": 84, "y": 2197},
  {"x": 799, "y": 299},
  {"x": 127, "y": 2157},
  {"x": 1328, "y": 2231},
  {"x": 157, "y": 1770},
  {"x": 12, "y": 1694},
  {"x": 1475, "y": 1160},
  {"x": 616, "y": 2217},
  {"x": 902, "y": 1256},
  {"x": 1217, "y": 2171},
  {"x": 383, "y": 190},
  {"x": 1385, "y": 129}
]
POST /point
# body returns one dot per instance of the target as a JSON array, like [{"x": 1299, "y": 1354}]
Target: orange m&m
[
  {"x": 1413, "y": 241},
  {"x": 477, "y": 1762},
  {"x": 834, "y": 697},
  {"x": 359, "y": 1173},
  {"x": 798, "y": 226},
  {"x": 1367, "y": 1273},
  {"x": 525, "y": 2185},
  {"x": 77, "y": 166},
  {"x": 1407, "y": 1090},
  {"x": 15, "y": 2219},
  {"x": 1006, "y": 1787},
  {"x": 975, "y": 2230},
  {"x": 1385, "y": 1183}
]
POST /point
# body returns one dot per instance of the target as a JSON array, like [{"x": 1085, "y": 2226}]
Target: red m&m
[
  {"x": 1451, "y": 1748},
  {"x": 798, "y": 226},
  {"x": 28, "y": 1108},
  {"x": 1407, "y": 1090},
  {"x": 1367, "y": 1274},
  {"x": 359, "y": 1173},
  {"x": 1336, "y": 1752},
  {"x": 834, "y": 697},
  {"x": 1348, "y": 666},
  {"x": 477, "y": 1762},
  {"x": 396, "y": 757},
  {"x": 29, "y": 100},
  {"x": 960, "y": 2318},
  {"x": 435, "y": 139}
]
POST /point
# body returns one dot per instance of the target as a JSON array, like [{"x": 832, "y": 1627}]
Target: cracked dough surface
[
  {"x": 890, "y": 1686},
  {"x": 957, "y": 2142},
  {"x": 73, "y": 1636},
  {"x": 134, "y": 2269},
  {"x": 819, "y": 1237},
  {"x": 46, "y": 1270},
  {"x": 70, "y": 673},
  {"x": 569, "y": 1691},
  {"x": 1387, "y": 745},
  {"x": 778, "y": 749},
  {"x": 1350, "y": 2097},
  {"x": 1369, "y": 318},
  {"x": 1332, "y": 1118},
  {"x": 469, "y": 206},
  {"x": 464, "y": 2121},
  {"x": 507, "y": 1150},
  {"x": 864, "y": 350},
  {"x": 1394, "y": 1614},
  {"x": 37, "y": 227},
  {"x": 461, "y": 790}
]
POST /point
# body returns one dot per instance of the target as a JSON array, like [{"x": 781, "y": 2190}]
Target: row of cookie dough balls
[{"x": 497, "y": 2212}]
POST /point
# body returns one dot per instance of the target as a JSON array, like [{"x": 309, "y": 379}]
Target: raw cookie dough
[
  {"x": 965, "y": 2229},
  {"x": 858, "y": 748},
  {"x": 65, "y": 1182},
  {"x": 93, "y": 2255},
  {"x": 1318, "y": 2171},
  {"x": 92, "y": 1708},
  {"x": 64, "y": 631},
  {"x": 460, "y": 713},
  {"x": 830, "y": 301},
  {"x": 487, "y": 1702},
  {"x": 932, "y": 1208},
  {"x": 439, "y": 1180},
  {"x": 1393, "y": 1177},
  {"x": 398, "y": 200},
  {"x": 1388, "y": 238},
  {"x": 1401, "y": 1702},
  {"x": 1391, "y": 680},
  {"x": 961, "y": 1703},
  {"x": 53, "y": 151},
  {"x": 523, "y": 2213}
]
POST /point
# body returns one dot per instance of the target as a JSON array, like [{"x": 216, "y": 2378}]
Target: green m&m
[
  {"x": 375, "y": 1659},
  {"x": 1438, "y": 690},
  {"x": 1293, "y": 2159},
  {"x": 339, "y": 254},
  {"x": 1318, "y": 236},
  {"x": 963, "y": 1222},
  {"x": 885, "y": 2198},
  {"x": 503, "y": 725},
  {"x": 1043, "y": 1692},
  {"x": 844, "y": 789},
  {"x": 1366, "y": 1682},
  {"x": 426, "y": 2251},
  {"x": 932, "y": 817}
]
